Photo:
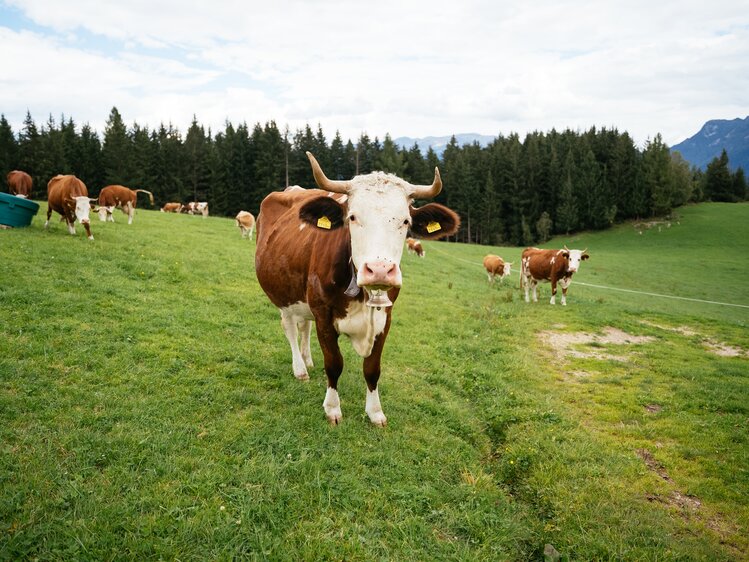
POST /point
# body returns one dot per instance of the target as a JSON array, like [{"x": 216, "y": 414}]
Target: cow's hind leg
[
  {"x": 553, "y": 299},
  {"x": 305, "y": 329},
  {"x": 289, "y": 324}
]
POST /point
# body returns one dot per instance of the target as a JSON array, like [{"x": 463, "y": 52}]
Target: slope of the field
[{"x": 148, "y": 409}]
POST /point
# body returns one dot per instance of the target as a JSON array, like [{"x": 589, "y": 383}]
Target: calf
[
  {"x": 246, "y": 223},
  {"x": 414, "y": 247},
  {"x": 68, "y": 196},
  {"x": 172, "y": 208},
  {"x": 555, "y": 266},
  {"x": 114, "y": 196},
  {"x": 19, "y": 184},
  {"x": 496, "y": 267},
  {"x": 196, "y": 208}
]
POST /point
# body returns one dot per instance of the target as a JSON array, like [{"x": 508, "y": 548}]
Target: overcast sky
[{"x": 407, "y": 68}]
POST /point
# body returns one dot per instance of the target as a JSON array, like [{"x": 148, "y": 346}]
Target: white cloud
[{"x": 407, "y": 68}]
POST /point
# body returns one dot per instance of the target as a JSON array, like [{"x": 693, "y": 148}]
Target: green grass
[{"x": 148, "y": 409}]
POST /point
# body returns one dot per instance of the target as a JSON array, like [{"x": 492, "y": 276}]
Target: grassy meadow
[{"x": 148, "y": 409}]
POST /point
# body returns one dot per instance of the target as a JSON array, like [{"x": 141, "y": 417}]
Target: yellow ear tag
[
  {"x": 324, "y": 222},
  {"x": 433, "y": 227}
]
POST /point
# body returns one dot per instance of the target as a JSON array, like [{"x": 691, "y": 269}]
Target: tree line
[{"x": 513, "y": 191}]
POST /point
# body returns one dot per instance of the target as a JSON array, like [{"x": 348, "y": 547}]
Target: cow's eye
[
  {"x": 352, "y": 218},
  {"x": 407, "y": 222}
]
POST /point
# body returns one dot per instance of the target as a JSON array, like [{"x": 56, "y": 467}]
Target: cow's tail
[{"x": 150, "y": 195}]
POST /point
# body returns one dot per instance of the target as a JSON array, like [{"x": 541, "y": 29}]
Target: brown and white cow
[
  {"x": 68, "y": 196},
  {"x": 555, "y": 266},
  {"x": 172, "y": 208},
  {"x": 332, "y": 256},
  {"x": 114, "y": 196},
  {"x": 196, "y": 208},
  {"x": 246, "y": 223},
  {"x": 414, "y": 247},
  {"x": 496, "y": 267},
  {"x": 19, "y": 183}
]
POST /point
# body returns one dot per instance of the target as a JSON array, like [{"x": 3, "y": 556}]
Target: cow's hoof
[
  {"x": 90, "y": 237},
  {"x": 334, "y": 416},
  {"x": 302, "y": 377},
  {"x": 378, "y": 419}
]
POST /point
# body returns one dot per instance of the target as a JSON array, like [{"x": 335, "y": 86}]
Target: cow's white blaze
[
  {"x": 378, "y": 220},
  {"x": 574, "y": 260},
  {"x": 82, "y": 207}
]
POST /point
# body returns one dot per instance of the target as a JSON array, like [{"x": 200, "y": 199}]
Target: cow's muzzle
[{"x": 379, "y": 275}]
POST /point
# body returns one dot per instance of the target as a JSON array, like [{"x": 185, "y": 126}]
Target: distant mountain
[
  {"x": 715, "y": 135},
  {"x": 438, "y": 144}
]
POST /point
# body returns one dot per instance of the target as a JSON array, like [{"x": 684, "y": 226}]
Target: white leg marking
[
  {"x": 374, "y": 409},
  {"x": 305, "y": 328},
  {"x": 71, "y": 228},
  {"x": 332, "y": 406},
  {"x": 553, "y": 299},
  {"x": 535, "y": 291},
  {"x": 564, "y": 300},
  {"x": 297, "y": 362}
]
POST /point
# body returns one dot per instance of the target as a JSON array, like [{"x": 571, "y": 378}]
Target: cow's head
[
  {"x": 104, "y": 211},
  {"x": 378, "y": 214},
  {"x": 82, "y": 208},
  {"x": 507, "y": 269},
  {"x": 574, "y": 257}
]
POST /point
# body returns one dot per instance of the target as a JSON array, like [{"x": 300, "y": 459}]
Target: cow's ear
[
  {"x": 434, "y": 221},
  {"x": 566, "y": 255},
  {"x": 584, "y": 257},
  {"x": 322, "y": 212}
]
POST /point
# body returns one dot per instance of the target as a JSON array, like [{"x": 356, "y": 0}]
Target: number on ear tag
[
  {"x": 433, "y": 227},
  {"x": 324, "y": 222}
]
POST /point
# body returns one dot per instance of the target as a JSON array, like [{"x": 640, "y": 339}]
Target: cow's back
[
  {"x": 19, "y": 183},
  {"x": 64, "y": 188},
  {"x": 292, "y": 255},
  {"x": 540, "y": 263},
  {"x": 112, "y": 195},
  {"x": 494, "y": 264}
]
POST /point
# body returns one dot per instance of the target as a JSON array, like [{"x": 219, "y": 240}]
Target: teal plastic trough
[{"x": 16, "y": 211}]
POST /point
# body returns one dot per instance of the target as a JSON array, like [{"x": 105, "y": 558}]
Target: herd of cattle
[{"x": 330, "y": 256}]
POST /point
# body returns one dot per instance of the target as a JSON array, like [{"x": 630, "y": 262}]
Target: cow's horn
[
  {"x": 323, "y": 182},
  {"x": 428, "y": 191},
  {"x": 566, "y": 248},
  {"x": 585, "y": 250}
]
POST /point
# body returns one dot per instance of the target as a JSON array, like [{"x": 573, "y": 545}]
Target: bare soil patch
[{"x": 563, "y": 343}]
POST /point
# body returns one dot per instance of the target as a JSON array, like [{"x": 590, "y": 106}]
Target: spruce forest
[{"x": 511, "y": 192}]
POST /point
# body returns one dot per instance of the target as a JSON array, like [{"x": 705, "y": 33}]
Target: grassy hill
[{"x": 148, "y": 409}]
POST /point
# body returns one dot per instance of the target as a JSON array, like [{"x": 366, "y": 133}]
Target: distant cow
[
  {"x": 68, "y": 196},
  {"x": 246, "y": 223},
  {"x": 196, "y": 208},
  {"x": 332, "y": 256},
  {"x": 555, "y": 266},
  {"x": 172, "y": 208},
  {"x": 19, "y": 183},
  {"x": 496, "y": 267},
  {"x": 414, "y": 247},
  {"x": 114, "y": 196}
]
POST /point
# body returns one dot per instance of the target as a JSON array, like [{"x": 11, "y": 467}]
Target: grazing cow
[
  {"x": 68, "y": 196},
  {"x": 114, "y": 196},
  {"x": 172, "y": 208},
  {"x": 19, "y": 184},
  {"x": 556, "y": 266},
  {"x": 196, "y": 208},
  {"x": 246, "y": 223},
  {"x": 332, "y": 256},
  {"x": 496, "y": 266},
  {"x": 414, "y": 247}
]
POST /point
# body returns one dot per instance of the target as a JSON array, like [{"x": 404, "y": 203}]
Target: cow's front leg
[
  {"x": 71, "y": 226},
  {"x": 372, "y": 376},
  {"x": 564, "y": 283},
  {"x": 534, "y": 284},
  {"x": 333, "y": 359}
]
